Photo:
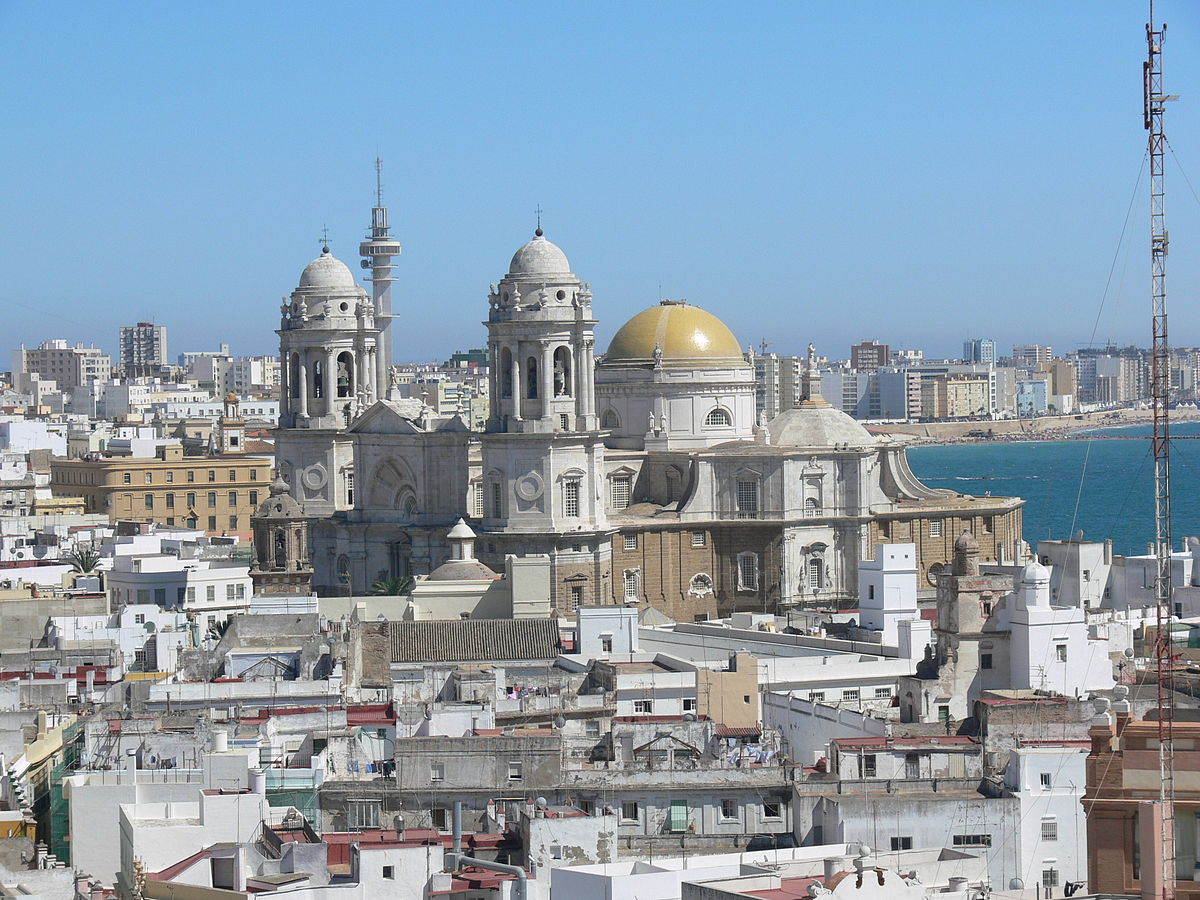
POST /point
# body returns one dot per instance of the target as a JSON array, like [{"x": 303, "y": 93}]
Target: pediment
[{"x": 387, "y": 417}]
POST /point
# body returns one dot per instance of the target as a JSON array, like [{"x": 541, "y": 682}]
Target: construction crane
[{"x": 1160, "y": 382}]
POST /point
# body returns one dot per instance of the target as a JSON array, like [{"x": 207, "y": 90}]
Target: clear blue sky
[{"x": 916, "y": 173}]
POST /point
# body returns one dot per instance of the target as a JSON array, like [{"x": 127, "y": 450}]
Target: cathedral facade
[{"x": 642, "y": 475}]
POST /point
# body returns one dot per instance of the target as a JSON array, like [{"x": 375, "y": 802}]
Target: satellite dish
[
  {"x": 540, "y": 801},
  {"x": 559, "y": 722},
  {"x": 689, "y": 717},
  {"x": 1129, "y": 653}
]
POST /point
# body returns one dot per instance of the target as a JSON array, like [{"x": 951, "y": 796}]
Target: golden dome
[{"x": 686, "y": 336}]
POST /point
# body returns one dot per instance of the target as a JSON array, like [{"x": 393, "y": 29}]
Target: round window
[
  {"x": 344, "y": 307},
  {"x": 934, "y": 571},
  {"x": 561, "y": 295}
]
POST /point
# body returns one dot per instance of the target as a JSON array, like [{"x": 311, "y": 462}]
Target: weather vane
[
  {"x": 538, "y": 211},
  {"x": 324, "y": 239}
]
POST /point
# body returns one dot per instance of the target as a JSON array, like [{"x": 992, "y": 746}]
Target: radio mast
[{"x": 1160, "y": 384}]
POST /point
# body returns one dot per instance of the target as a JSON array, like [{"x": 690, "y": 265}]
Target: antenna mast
[{"x": 1160, "y": 383}]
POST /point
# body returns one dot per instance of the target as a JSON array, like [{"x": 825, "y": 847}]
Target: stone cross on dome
[{"x": 324, "y": 239}]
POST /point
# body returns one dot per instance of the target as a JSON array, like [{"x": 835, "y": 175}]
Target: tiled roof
[{"x": 474, "y": 640}]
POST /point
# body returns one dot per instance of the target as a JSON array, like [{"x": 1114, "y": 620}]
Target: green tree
[
  {"x": 392, "y": 587},
  {"x": 83, "y": 560}
]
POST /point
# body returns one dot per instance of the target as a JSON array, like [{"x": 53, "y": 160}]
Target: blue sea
[{"x": 1103, "y": 486}]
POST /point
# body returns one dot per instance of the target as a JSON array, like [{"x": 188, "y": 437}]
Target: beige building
[
  {"x": 955, "y": 397},
  {"x": 68, "y": 366},
  {"x": 216, "y": 493}
]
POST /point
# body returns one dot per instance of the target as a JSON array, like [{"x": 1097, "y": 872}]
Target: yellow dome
[{"x": 687, "y": 336}]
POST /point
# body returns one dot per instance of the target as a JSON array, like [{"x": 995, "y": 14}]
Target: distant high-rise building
[
  {"x": 1032, "y": 355},
  {"x": 979, "y": 350},
  {"x": 868, "y": 356},
  {"x": 69, "y": 366},
  {"x": 143, "y": 348}
]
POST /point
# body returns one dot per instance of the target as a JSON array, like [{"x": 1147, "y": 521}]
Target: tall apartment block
[{"x": 143, "y": 348}]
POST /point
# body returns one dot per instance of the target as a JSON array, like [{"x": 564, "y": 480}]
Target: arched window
[
  {"x": 345, "y": 374},
  {"x": 318, "y": 379},
  {"x": 610, "y": 419},
  {"x": 280, "y": 549},
  {"x": 718, "y": 417},
  {"x": 531, "y": 378},
  {"x": 701, "y": 585},
  {"x": 815, "y": 573},
  {"x": 934, "y": 571},
  {"x": 505, "y": 372},
  {"x": 674, "y": 484},
  {"x": 812, "y": 507},
  {"x": 294, "y": 374},
  {"x": 562, "y": 372}
]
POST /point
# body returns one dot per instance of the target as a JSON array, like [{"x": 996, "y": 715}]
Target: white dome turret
[
  {"x": 539, "y": 257},
  {"x": 327, "y": 272}
]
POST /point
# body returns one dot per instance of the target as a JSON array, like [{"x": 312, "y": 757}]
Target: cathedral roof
[
  {"x": 819, "y": 426},
  {"x": 678, "y": 335},
  {"x": 539, "y": 257},
  {"x": 327, "y": 272}
]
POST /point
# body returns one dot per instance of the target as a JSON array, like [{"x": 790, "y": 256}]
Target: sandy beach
[{"x": 1044, "y": 428}]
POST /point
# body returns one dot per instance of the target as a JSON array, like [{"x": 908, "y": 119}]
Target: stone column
[
  {"x": 368, "y": 368},
  {"x": 329, "y": 381},
  {"x": 516, "y": 382},
  {"x": 494, "y": 376},
  {"x": 303, "y": 398},
  {"x": 547, "y": 373},
  {"x": 383, "y": 379},
  {"x": 587, "y": 373},
  {"x": 285, "y": 386}
]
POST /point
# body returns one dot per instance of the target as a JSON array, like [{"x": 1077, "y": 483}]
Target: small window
[
  {"x": 630, "y": 811},
  {"x": 1049, "y": 879},
  {"x": 689, "y": 704},
  {"x": 497, "y": 500},
  {"x": 985, "y": 660},
  {"x": 139, "y": 619},
  {"x": 516, "y": 771},
  {"x": 747, "y": 498},
  {"x": 127, "y": 478},
  {"x": 633, "y": 587},
  {"x": 1060, "y": 650},
  {"x": 972, "y": 840},
  {"x": 212, "y": 523},
  {"x": 645, "y": 707},
  {"x": 816, "y": 696},
  {"x": 232, "y": 499},
  {"x": 729, "y": 810},
  {"x": 170, "y": 478},
  {"x": 718, "y": 418},
  {"x": 868, "y": 765},
  {"x": 477, "y": 499},
  {"x": 212, "y": 499},
  {"x": 882, "y": 693},
  {"x": 576, "y": 597},
  {"x": 771, "y": 809},
  {"x": 571, "y": 498},
  {"x": 606, "y": 644},
  {"x": 233, "y": 474},
  {"x": 1049, "y": 830},
  {"x": 902, "y": 843},
  {"x": 437, "y": 771},
  {"x": 812, "y": 508},
  {"x": 191, "y": 475},
  {"x": 254, "y": 474},
  {"x": 591, "y": 728},
  {"x": 233, "y": 523},
  {"x": 935, "y": 528},
  {"x": 254, "y": 498},
  {"x": 149, "y": 478},
  {"x": 698, "y": 539},
  {"x": 212, "y": 475},
  {"x": 1045, "y": 779},
  {"x": 621, "y": 489},
  {"x": 389, "y": 872},
  {"x": 149, "y": 501},
  {"x": 170, "y": 501},
  {"x": 850, "y": 694},
  {"x": 191, "y": 498},
  {"x": 631, "y": 541}
]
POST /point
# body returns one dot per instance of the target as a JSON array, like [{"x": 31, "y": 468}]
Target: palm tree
[
  {"x": 83, "y": 560},
  {"x": 392, "y": 587}
]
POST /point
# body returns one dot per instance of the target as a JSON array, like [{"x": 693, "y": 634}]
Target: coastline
[{"x": 1044, "y": 428}]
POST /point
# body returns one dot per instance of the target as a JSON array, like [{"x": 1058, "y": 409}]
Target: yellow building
[
  {"x": 956, "y": 397},
  {"x": 215, "y": 493}
]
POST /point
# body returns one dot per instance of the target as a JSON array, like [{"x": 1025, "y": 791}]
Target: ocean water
[{"x": 1103, "y": 486}]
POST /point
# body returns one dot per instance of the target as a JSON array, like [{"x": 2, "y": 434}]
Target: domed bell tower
[{"x": 540, "y": 345}]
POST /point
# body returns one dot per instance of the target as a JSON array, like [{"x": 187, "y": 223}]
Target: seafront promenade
[{"x": 1043, "y": 428}]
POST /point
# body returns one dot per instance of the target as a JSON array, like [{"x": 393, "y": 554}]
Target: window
[
  {"x": 191, "y": 476},
  {"x": 902, "y": 843},
  {"x": 621, "y": 489},
  {"x": 816, "y": 696},
  {"x": 747, "y": 498},
  {"x": 1049, "y": 879},
  {"x": 363, "y": 813},
  {"x": 576, "y": 596},
  {"x": 882, "y": 693},
  {"x": 516, "y": 771},
  {"x": 606, "y": 643},
  {"x": 191, "y": 499},
  {"x": 229, "y": 592},
  {"x": 439, "y": 817},
  {"x": 210, "y": 593},
  {"x": 814, "y": 575},
  {"x": 389, "y": 872},
  {"x": 633, "y": 587},
  {"x": 747, "y": 564},
  {"x": 935, "y": 572},
  {"x": 127, "y": 478},
  {"x": 645, "y": 707},
  {"x": 497, "y": 500},
  {"x": 191, "y": 595},
  {"x": 972, "y": 840},
  {"x": 437, "y": 771},
  {"x": 476, "y": 499},
  {"x": 1060, "y": 650},
  {"x": 850, "y": 694},
  {"x": 1049, "y": 829},
  {"x": 160, "y": 596},
  {"x": 698, "y": 539},
  {"x": 868, "y": 765},
  {"x": 170, "y": 501},
  {"x": 143, "y": 596},
  {"x": 149, "y": 501},
  {"x": 677, "y": 816},
  {"x": 253, "y": 499},
  {"x": 170, "y": 478},
  {"x": 718, "y": 418},
  {"x": 987, "y": 527},
  {"x": 233, "y": 474},
  {"x": 729, "y": 810},
  {"x": 812, "y": 508},
  {"x": 935, "y": 528},
  {"x": 771, "y": 809},
  {"x": 212, "y": 523},
  {"x": 254, "y": 474},
  {"x": 689, "y": 704},
  {"x": 1045, "y": 779},
  {"x": 139, "y": 619},
  {"x": 212, "y": 475},
  {"x": 241, "y": 592},
  {"x": 591, "y": 728},
  {"x": 630, "y": 811},
  {"x": 180, "y": 594},
  {"x": 212, "y": 499},
  {"x": 149, "y": 478},
  {"x": 631, "y": 541},
  {"x": 985, "y": 660},
  {"x": 232, "y": 499},
  {"x": 571, "y": 498},
  {"x": 610, "y": 419}
]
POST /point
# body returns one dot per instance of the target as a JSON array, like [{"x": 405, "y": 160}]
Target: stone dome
[
  {"x": 966, "y": 543},
  {"x": 681, "y": 335},
  {"x": 462, "y": 570},
  {"x": 820, "y": 427},
  {"x": 539, "y": 257},
  {"x": 1035, "y": 573},
  {"x": 327, "y": 272}
]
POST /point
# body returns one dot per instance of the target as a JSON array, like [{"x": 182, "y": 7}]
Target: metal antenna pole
[{"x": 1160, "y": 379}]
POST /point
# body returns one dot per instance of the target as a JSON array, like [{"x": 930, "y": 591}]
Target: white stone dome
[
  {"x": 818, "y": 427},
  {"x": 1035, "y": 573},
  {"x": 327, "y": 272},
  {"x": 539, "y": 257}
]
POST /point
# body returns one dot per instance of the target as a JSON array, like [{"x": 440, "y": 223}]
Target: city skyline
[{"x": 675, "y": 156}]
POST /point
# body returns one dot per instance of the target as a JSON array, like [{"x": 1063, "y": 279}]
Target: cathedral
[{"x": 639, "y": 472}]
